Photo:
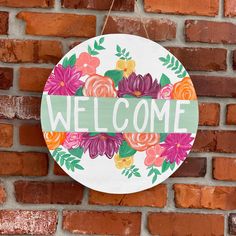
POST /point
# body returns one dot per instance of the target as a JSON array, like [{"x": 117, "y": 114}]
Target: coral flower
[
  {"x": 99, "y": 86},
  {"x": 141, "y": 141},
  {"x": 72, "y": 140},
  {"x": 54, "y": 139},
  {"x": 154, "y": 156},
  {"x": 87, "y": 64},
  {"x": 126, "y": 66},
  {"x": 184, "y": 90},
  {"x": 122, "y": 163},
  {"x": 165, "y": 92}
]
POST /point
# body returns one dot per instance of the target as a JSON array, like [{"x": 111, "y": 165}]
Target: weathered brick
[
  {"x": 224, "y": 168},
  {"x": 226, "y": 141},
  {"x": 209, "y": 197},
  {"x": 232, "y": 223},
  {"x": 230, "y": 8},
  {"x": 57, "y": 24},
  {"x": 4, "y": 16},
  {"x": 234, "y": 59},
  {"x": 183, "y": 7},
  {"x": 216, "y": 86},
  {"x": 153, "y": 197},
  {"x": 23, "y": 163},
  {"x": 209, "y": 114},
  {"x": 37, "y": 51},
  {"x": 192, "y": 167},
  {"x": 31, "y": 135},
  {"x": 3, "y": 194},
  {"x": 33, "y": 79},
  {"x": 28, "y": 222},
  {"x": 38, "y": 192},
  {"x": 6, "y": 134},
  {"x": 27, "y": 3},
  {"x": 102, "y": 222},
  {"x": 119, "y": 5},
  {"x": 6, "y": 78},
  {"x": 184, "y": 224},
  {"x": 158, "y": 29},
  {"x": 210, "y": 31},
  {"x": 201, "y": 59},
  {"x": 231, "y": 114},
  {"x": 57, "y": 170}
]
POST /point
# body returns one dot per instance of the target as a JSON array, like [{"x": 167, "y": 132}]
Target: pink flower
[
  {"x": 87, "y": 64},
  {"x": 154, "y": 156},
  {"x": 165, "y": 92},
  {"x": 72, "y": 140}
]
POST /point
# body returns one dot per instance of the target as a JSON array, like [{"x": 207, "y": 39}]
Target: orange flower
[
  {"x": 184, "y": 90},
  {"x": 141, "y": 141},
  {"x": 99, "y": 86},
  {"x": 54, "y": 139}
]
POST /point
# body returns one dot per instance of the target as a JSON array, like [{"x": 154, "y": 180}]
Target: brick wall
[{"x": 36, "y": 197}]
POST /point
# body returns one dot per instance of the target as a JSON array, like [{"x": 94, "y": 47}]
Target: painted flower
[
  {"x": 141, "y": 141},
  {"x": 63, "y": 81},
  {"x": 176, "y": 147},
  {"x": 154, "y": 156},
  {"x": 87, "y": 64},
  {"x": 72, "y": 140},
  {"x": 138, "y": 86},
  {"x": 184, "y": 90},
  {"x": 127, "y": 66},
  {"x": 165, "y": 92},
  {"x": 101, "y": 144},
  {"x": 99, "y": 86},
  {"x": 122, "y": 163},
  {"x": 54, "y": 139}
]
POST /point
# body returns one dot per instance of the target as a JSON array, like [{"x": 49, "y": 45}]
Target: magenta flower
[
  {"x": 63, "y": 81},
  {"x": 101, "y": 144},
  {"x": 72, "y": 140},
  {"x": 165, "y": 92},
  {"x": 138, "y": 86},
  {"x": 176, "y": 147}
]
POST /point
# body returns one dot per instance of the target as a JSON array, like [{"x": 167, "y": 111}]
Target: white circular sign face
[{"x": 119, "y": 113}]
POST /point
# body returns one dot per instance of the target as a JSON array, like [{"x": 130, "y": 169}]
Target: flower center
[
  {"x": 85, "y": 65},
  {"x": 178, "y": 145},
  {"x": 123, "y": 160},
  {"x": 62, "y": 84},
  {"x": 125, "y": 69},
  {"x": 103, "y": 137},
  {"x": 137, "y": 93}
]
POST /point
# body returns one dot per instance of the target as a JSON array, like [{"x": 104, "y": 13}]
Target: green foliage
[
  {"x": 122, "y": 53},
  {"x": 154, "y": 172},
  {"x": 79, "y": 92},
  {"x": 97, "y": 46},
  {"x": 132, "y": 171},
  {"x": 115, "y": 75},
  {"x": 69, "y": 61},
  {"x": 125, "y": 150},
  {"x": 166, "y": 165},
  {"x": 164, "y": 80}
]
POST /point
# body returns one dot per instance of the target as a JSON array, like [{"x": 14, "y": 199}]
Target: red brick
[
  {"x": 4, "y": 22},
  {"x": 154, "y": 197},
  {"x": 234, "y": 59},
  {"x": 226, "y": 141},
  {"x": 27, "y": 3},
  {"x": 23, "y": 164},
  {"x": 2, "y": 194},
  {"x": 57, "y": 170},
  {"x": 33, "y": 79},
  {"x": 37, "y": 51},
  {"x": 6, "y": 77},
  {"x": 24, "y": 107},
  {"x": 232, "y": 223},
  {"x": 191, "y": 167},
  {"x": 230, "y": 8},
  {"x": 209, "y": 197},
  {"x": 183, "y": 7},
  {"x": 231, "y": 114},
  {"x": 28, "y": 222},
  {"x": 184, "y": 224},
  {"x": 31, "y": 135},
  {"x": 38, "y": 192},
  {"x": 6, "y": 134},
  {"x": 224, "y": 168},
  {"x": 158, "y": 29},
  {"x": 57, "y": 24},
  {"x": 102, "y": 222},
  {"x": 201, "y": 59},
  {"x": 216, "y": 86},
  {"x": 119, "y": 5},
  {"x": 209, "y": 114},
  {"x": 73, "y": 44},
  {"x": 210, "y": 32}
]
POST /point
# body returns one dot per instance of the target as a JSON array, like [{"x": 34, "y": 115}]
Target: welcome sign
[{"x": 116, "y": 118}]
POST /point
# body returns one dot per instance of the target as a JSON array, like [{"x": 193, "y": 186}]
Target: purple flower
[
  {"x": 72, "y": 140},
  {"x": 138, "y": 86},
  {"x": 101, "y": 144},
  {"x": 63, "y": 81},
  {"x": 176, "y": 147}
]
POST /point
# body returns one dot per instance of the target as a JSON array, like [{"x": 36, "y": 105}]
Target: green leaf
[
  {"x": 123, "y": 51},
  {"x": 72, "y": 60},
  {"x": 93, "y": 133},
  {"x": 95, "y": 44},
  {"x": 130, "y": 174},
  {"x": 90, "y": 50},
  {"x": 176, "y": 65},
  {"x": 162, "y": 59},
  {"x": 164, "y": 80},
  {"x": 118, "y": 54},
  {"x": 157, "y": 172},
  {"x": 94, "y": 53},
  {"x": 78, "y": 166},
  {"x": 79, "y": 92},
  {"x": 111, "y": 134},
  {"x": 115, "y": 75},
  {"x": 122, "y": 58},
  {"x": 180, "y": 69},
  {"x": 118, "y": 48},
  {"x": 78, "y": 152},
  {"x": 101, "y": 40},
  {"x": 165, "y": 166},
  {"x": 137, "y": 174},
  {"x": 151, "y": 171},
  {"x": 65, "y": 62},
  {"x": 125, "y": 150},
  {"x": 154, "y": 179},
  {"x": 163, "y": 137},
  {"x": 172, "y": 166},
  {"x": 128, "y": 96}
]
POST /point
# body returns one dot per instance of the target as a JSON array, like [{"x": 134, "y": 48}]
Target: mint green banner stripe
[{"x": 127, "y": 115}]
